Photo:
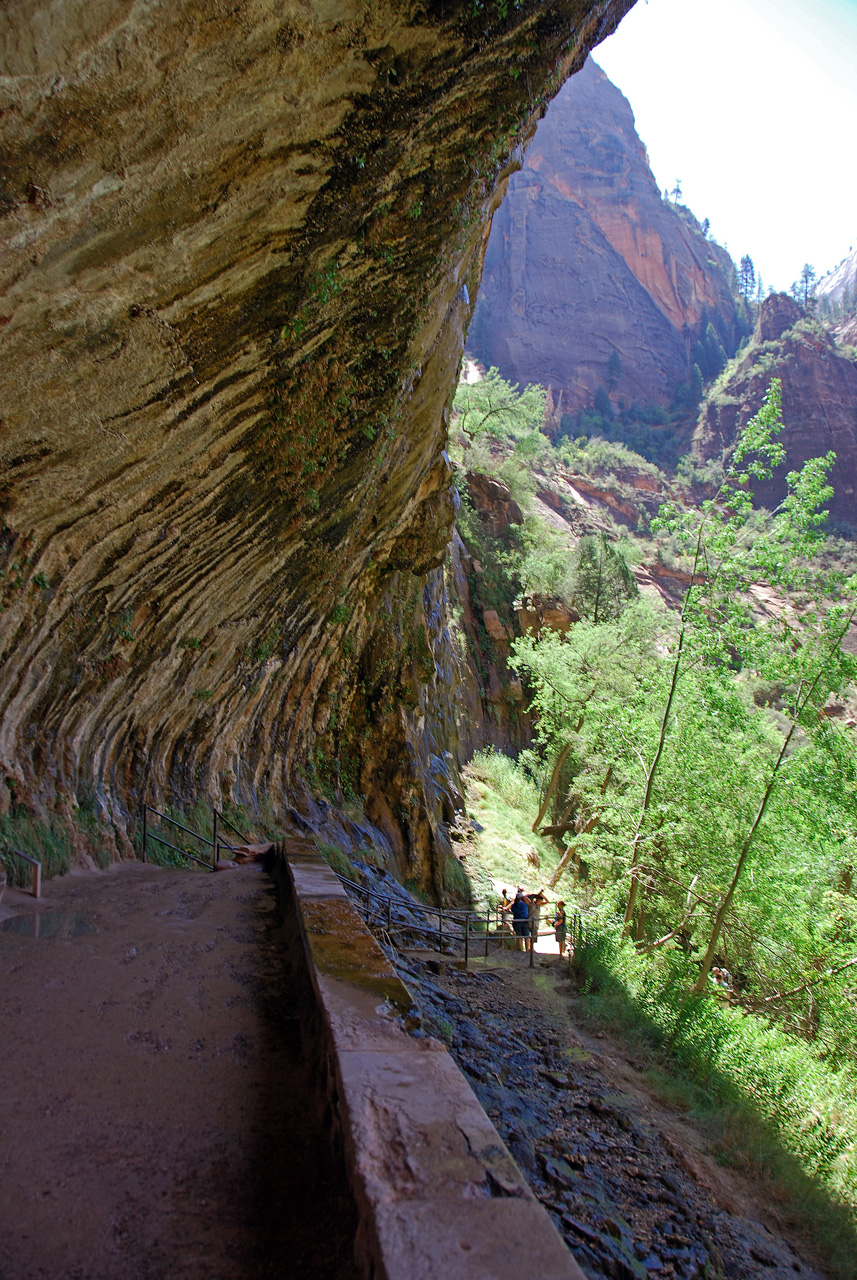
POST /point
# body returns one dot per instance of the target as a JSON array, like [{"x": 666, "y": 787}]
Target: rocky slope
[
  {"x": 840, "y": 284},
  {"x": 586, "y": 261},
  {"x": 819, "y": 386},
  {"x": 240, "y": 249},
  {"x": 633, "y": 1193}
]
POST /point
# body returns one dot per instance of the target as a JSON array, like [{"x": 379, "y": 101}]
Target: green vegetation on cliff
[{"x": 696, "y": 767}]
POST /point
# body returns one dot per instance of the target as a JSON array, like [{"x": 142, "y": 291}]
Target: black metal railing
[
  {"x": 463, "y": 928},
  {"x": 215, "y": 843}
]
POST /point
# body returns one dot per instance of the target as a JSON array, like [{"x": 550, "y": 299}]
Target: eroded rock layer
[{"x": 240, "y": 246}]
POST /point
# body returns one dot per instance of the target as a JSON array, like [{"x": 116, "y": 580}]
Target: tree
[
  {"x": 803, "y": 288},
  {"x": 676, "y": 191},
  {"x": 706, "y": 227},
  {"x": 493, "y": 405},
  {"x": 729, "y": 553},
  {"x": 746, "y": 276},
  {"x": 603, "y": 582},
  {"x": 820, "y": 667},
  {"x": 614, "y": 370},
  {"x": 602, "y": 404},
  {"x": 708, "y": 353}
]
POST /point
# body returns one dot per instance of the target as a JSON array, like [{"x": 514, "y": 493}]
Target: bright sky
[{"x": 753, "y": 105}]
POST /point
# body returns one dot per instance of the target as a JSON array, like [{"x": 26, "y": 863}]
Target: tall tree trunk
[
  {"x": 800, "y": 707},
  {"x": 552, "y": 785},
  {"x": 650, "y": 782},
  {"x": 570, "y": 852},
  {"x": 665, "y": 718},
  {"x": 702, "y": 980}
]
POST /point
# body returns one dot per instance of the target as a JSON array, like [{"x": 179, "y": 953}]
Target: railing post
[
  {"x": 214, "y": 850},
  {"x": 466, "y": 939},
  {"x": 389, "y": 914},
  {"x": 440, "y": 919},
  {"x": 145, "y": 830},
  {"x": 487, "y": 930},
  {"x": 37, "y": 879},
  {"x": 532, "y": 946}
]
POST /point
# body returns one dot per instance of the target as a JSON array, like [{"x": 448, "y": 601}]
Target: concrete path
[{"x": 156, "y": 1119}]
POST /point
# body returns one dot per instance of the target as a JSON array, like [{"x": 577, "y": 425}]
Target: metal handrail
[
  {"x": 231, "y": 825},
  {"x": 459, "y": 917},
  {"x": 35, "y": 864},
  {"x": 214, "y": 844}
]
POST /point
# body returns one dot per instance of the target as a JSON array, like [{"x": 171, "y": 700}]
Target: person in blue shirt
[{"x": 521, "y": 917}]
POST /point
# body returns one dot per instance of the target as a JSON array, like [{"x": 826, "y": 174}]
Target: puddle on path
[{"x": 49, "y": 924}]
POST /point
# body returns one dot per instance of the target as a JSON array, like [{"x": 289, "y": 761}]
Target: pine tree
[
  {"x": 807, "y": 286},
  {"x": 603, "y": 582},
  {"x": 747, "y": 276}
]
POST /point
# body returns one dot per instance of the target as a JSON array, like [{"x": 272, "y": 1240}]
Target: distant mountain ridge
[{"x": 592, "y": 280}]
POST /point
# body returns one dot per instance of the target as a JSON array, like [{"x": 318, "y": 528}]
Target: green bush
[{"x": 764, "y": 1079}]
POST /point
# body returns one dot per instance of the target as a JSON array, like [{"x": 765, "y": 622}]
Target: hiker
[
  {"x": 537, "y": 901},
  {"x": 560, "y": 927},
  {"x": 520, "y": 910},
  {"x": 505, "y": 901}
]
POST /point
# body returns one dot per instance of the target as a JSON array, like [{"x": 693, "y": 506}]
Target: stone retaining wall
[{"x": 438, "y": 1194}]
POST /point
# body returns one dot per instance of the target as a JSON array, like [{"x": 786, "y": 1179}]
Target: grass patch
[
  {"x": 337, "y": 860},
  {"x": 50, "y": 842},
  {"x": 769, "y": 1106},
  {"x": 504, "y": 802}
]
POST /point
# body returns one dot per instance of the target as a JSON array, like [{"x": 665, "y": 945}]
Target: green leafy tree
[
  {"x": 603, "y": 582},
  {"x": 729, "y": 553},
  {"x": 803, "y": 288},
  {"x": 497, "y": 407}
]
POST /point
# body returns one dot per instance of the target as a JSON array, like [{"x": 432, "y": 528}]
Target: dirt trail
[
  {"x": 629, "y": 1182},
  {"x": 156, "y": 1114}
]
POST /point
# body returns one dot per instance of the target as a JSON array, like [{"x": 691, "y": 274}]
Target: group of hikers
[{"x": 525, "y": 910}]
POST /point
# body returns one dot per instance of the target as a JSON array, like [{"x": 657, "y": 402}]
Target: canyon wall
[
  {"x": 240, "y": 247},
  {"x": 586, "y": 261},
  {"x": 819, "y": 391}
]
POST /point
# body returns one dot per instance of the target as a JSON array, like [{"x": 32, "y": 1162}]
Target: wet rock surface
[
  {"x": 617, "y": 1187},
  {"x": 160, "y": 1118}
]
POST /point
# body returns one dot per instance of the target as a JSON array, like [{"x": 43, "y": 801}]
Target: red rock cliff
[
  {"x": 586, "y": 259},
  {"x": 819, "y": 386}
]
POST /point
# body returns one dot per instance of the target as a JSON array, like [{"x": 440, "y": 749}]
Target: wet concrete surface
[
  {"x": 158, "y": 1117},
  {"x": 615, "y": 1183}
]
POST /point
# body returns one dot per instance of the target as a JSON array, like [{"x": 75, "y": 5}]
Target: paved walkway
[{"x": 156, "y": 1116}]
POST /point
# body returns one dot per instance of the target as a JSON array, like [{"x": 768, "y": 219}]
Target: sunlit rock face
[
  {"x": 586, "y": 259},
  {"x": 819, "y": 392},
  {"x": 241, "y": 243}
]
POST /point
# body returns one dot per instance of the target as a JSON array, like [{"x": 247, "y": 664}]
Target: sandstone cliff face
[
  {"x": 819, "y": 386},
  {"x": 240, "y": 243},
  {"x": 586, "y": 259},
  {"x": 840, "y": 284}
]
